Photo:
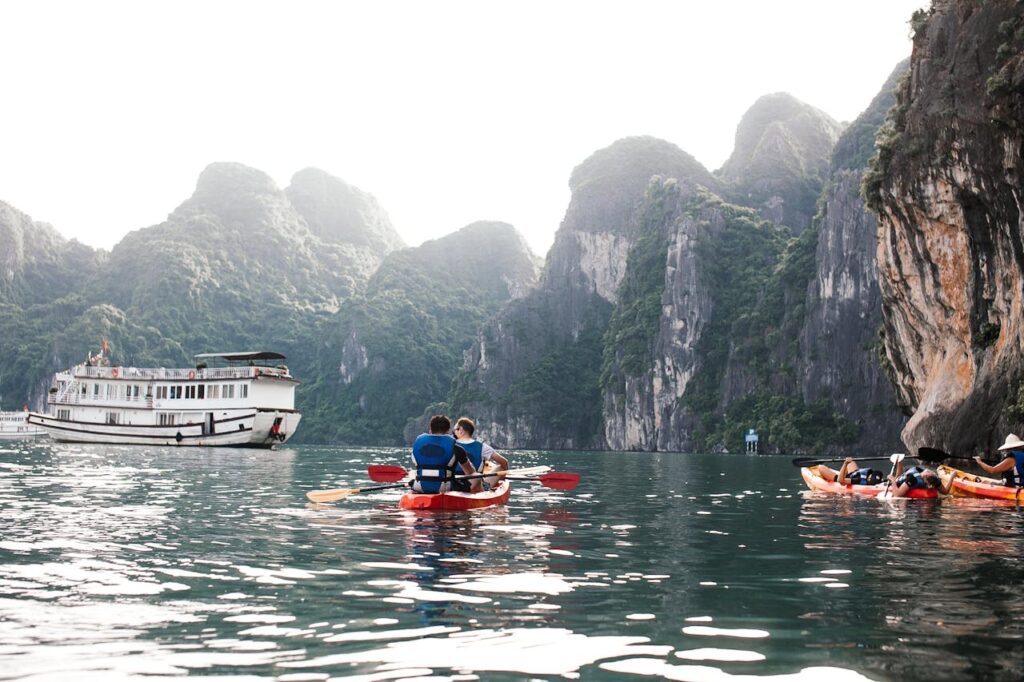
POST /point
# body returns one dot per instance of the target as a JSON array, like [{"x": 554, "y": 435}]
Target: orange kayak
[
  {"x": 816, "y": 482},
  {"x": 972, "y": 485},
  {"x": 456, "y": 501}
]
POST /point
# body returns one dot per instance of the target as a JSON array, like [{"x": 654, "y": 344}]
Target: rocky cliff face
[
  {"x": 533, "y": 375},
  {"x": 780, "y": 162},
  {"x": 947, "y": 188},
  {"x": 839, "y": 343}
]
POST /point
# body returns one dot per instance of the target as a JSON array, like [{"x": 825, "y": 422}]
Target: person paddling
[
  {"x": 479, "y": 452},
  {"x": 851, "y": 474},
  {"x": 438, "y": 458},
  {"x": 1011, "y": 467},
  {"x": 916, "y": 477}
]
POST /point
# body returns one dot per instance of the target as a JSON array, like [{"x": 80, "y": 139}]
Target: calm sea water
[{"x": 123, "y": 562}]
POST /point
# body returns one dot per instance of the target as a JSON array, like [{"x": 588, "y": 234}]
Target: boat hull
[
  {"x": 457, "y": 501},
  {"x": 250, "y": 429},
  {"x": 971, "y": 485},
  {"x": 816, "y": 482}
]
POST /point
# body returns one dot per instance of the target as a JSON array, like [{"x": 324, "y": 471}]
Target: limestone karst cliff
[
  {"x": 947, "y": 188},
  {"x": 666, "y": 319},
  {"x": 839, "y": 343}
]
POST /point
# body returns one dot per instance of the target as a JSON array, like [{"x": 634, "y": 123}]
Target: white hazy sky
[{"x": 446, "y": 111}]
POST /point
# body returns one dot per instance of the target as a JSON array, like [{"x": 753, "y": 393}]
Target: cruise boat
[
  {"x": 14, "y": 426},
  {"x": 227, "y": 399}
]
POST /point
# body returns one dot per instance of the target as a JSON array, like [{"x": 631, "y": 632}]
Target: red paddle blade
[
  {"x": 386, "y": 473},
  {"x": 560, "y": 480}
]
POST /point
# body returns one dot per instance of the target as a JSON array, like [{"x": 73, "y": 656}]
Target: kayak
[
  {"x": 971, "y": 485},
  {"x": 457, "y": 501},
  {"x": 816, "y": 482}
]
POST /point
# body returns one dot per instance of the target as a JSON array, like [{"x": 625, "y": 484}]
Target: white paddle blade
[
  {"x": 321, "y": 496},
  {"x": 897, "y": 457}
]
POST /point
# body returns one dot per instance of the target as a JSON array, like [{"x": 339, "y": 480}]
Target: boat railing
[
  {"x": 163, "y": 373},
  {"x": 89, "y": 399}
]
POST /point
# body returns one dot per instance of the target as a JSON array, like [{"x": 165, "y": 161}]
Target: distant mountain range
[{"x": 677, "y": 308}]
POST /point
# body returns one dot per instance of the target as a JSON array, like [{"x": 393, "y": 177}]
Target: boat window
[
  {"x": 229, "y": 390},
  {"x": 113, "y": 417},
  {"x": 175, "y": 392},
  {"x": 190, "y": 392},
  {"x": 96, "y": 390},
  {"x": 201, "y": 391},
  {"x": 166, "y": 420},
  {"x": 64, "y": 414},
  {"x": 214, "y": 391},
  {"x": 243, "y": 390}
]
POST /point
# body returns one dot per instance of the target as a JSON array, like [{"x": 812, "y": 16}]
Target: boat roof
[{"x": 242, "y": 356}]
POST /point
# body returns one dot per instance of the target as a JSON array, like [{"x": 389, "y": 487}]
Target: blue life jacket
[
  {"x": 866, "y": 476},
  {"x": 435, "y": 461},
  {"x": 1015, "y": 477},
  {"x": 475, "y": 450},
  {"x": 913, "y": 477}
]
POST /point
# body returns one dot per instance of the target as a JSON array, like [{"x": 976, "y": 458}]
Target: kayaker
[
  {"x": 916, "y": 477},
  {"x": 1011, "y": 467},
  {"x": 851, "y": 474},
  {"x": 438, "y": 457},
  {"x": 479, "y": 452}
]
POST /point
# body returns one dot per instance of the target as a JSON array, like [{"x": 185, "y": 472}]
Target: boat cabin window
[
  {"x": 166, "y": 419},
  {"x": 243, "y": 390},
  {"x": 64, "y": 415},
  {"x": 201, "y": 391},
  {"x": 113, "y": 417},
  {"x": 213, "y": 391},
  {"x": 96, "y": 390},
  {"x": 190, "y": 392},
  {"x": 175, "y": 392},
  {"x": 229, "y": 390}
]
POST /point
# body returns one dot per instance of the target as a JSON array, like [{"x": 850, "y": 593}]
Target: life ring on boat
[
  {"x": 191, "y": 374},
  {"x": 113, "y": 372}
]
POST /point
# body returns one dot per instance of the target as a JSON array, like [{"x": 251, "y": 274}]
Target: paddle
[
  {"x": 389, "y": 473},
  {"x": 809, "y": 462},
  {"x": 895, "y": 458},
  {"x": 557, "y": 480}
]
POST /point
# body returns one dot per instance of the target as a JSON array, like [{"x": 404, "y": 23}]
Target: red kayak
[
  {"x": 816, "y": 482},
  {"x": 456, "y": 501}
]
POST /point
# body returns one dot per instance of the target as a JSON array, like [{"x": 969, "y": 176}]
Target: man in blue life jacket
[
  {"x": 917, "y": 477},
  {"x": 438, "y": 458},
  {"x": 479, "y": 452},
  {"x": 1011, "y": 467},
  {"x": 851, "y": 474}
]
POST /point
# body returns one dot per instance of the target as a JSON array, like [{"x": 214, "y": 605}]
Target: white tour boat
[
  {"x": 230, "y": 399},
  {"x": 14, "y": 426}
]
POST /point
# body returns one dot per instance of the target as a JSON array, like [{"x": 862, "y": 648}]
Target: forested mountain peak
[
  {"x": 337, "y": 211},
  {"x": 781, "y": 159},
  {"x": 633, "y": 160}
]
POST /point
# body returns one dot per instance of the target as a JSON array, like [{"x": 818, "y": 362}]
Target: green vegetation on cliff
[
  {"x": 393, "y": 350},
  {"x": 757, "y": 275}
]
